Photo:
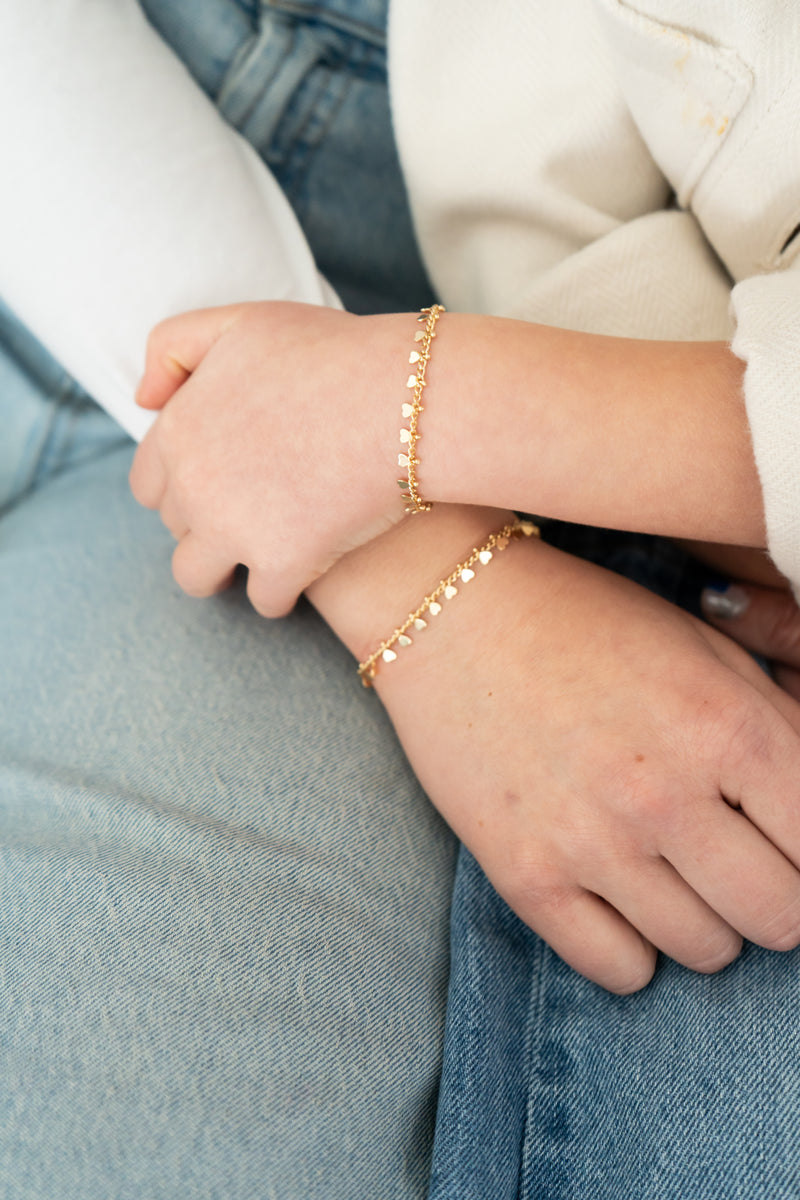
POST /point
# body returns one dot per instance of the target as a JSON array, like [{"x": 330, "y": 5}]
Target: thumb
[
  {"x": 764, "y": 620},
  {"x": 176, "y": 347}
]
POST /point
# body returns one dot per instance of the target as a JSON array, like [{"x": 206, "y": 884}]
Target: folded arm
[{"x": 642, "y": 435}]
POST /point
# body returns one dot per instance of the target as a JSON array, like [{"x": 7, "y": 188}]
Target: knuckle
[
  {"x": 531, "y": 888},
  {"x": 648, "y": 804},
  {"x": 738, "y": 732}
]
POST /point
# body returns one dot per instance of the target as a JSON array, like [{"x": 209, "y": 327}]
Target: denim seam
[
  {"x": 331, "y": 95},
  {"x": 533, "y": 1041},
  {"x": 319, "y": 13},
  {"x": 249, "y": 56}
]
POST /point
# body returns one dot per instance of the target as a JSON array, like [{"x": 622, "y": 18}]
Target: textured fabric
[
  {"x": 767, "y": 310},
  {"x": 556, "y": 1090},
  {"x": 180, "y": 192},
  {"x": 224, "y": 933},
  {"x": 184, "y": 213},
  {"x": 223, "y": 946},
  {"x": 607, "y": 109},
  {"x": 585, "y": 119}
]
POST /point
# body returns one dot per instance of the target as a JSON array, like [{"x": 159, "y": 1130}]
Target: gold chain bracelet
[
  {"x": 462, "y": 573},
  {"x": 409, "y": 436}
]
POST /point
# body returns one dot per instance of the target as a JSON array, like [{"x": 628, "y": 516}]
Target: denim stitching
[{"x": 320, "y": 13}]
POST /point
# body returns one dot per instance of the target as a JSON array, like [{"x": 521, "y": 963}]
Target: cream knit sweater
[{"x": 618, "y": 168}]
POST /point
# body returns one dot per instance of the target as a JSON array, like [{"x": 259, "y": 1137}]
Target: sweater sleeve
[
  {"x": 767, "y": 313},
  {"x": 126, "y": 197}
]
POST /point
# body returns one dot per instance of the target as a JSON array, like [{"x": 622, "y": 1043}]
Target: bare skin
[
  {"x": 625, "y": 775},
  {"x": 612, "y": 432}
]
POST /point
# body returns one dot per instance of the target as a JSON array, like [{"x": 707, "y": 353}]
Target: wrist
[{"x": 371, "y": 591}]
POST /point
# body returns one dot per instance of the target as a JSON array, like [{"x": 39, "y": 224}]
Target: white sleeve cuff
[{"x": 126, "y": 198}]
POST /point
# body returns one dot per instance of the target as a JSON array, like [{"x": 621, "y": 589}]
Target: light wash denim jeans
[{"x": 225, "y": 899}]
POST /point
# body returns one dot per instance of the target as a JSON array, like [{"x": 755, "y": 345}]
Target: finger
[
  {"x": 148, "y": 475},
  {"x": 591, "y": 937},
  {"x": 176, "y": 346},
  {"x": 200, "y": 571},
  {"x": 764, "y": 620},
  {"x": 269, "y": 595},
  {"x": 741, "y": 875},
  {"x": 172, "y": 516},
  {"x": 654, "y": 898}
]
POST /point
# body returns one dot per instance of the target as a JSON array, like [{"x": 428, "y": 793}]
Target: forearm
[
  {"x": 642, "y": 436},
  {"x": 370, "y": 591},
  {"x": 650, "y": 436}
]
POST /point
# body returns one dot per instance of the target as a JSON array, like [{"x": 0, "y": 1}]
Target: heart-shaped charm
[
  {"x": 404, "y": 640},
  {"x": 388, "y": 656},
  {"x": 405, "y": 435},
  {"x": 414, "y": 356},
  {"x": 467, "y": 574},
  {"x": 408, "y": 410},
  {"x": 434, "y": 608},
  {"x": 450, "y": 591},
  {"x": 502, "y": 542},
  {"x": 485, "y": 557},
  {"x": 419, "y": 335},
  {"x": 412, "y": 381},
  {"x": 419, "y": 624},
  {"x": 402, "y": 460}
]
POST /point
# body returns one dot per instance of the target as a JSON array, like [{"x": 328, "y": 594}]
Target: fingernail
[{"x": 724, "y": 602}]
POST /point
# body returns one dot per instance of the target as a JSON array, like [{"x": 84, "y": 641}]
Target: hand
[
  {"x": 628, "y": 778},
  {"x": 765, "y": 620},
  {"x": 278, "y": 446}
]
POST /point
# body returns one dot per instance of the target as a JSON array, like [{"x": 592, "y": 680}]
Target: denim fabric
[
  {"x": 224, "y": 929},
  {"x": 305, "y": 83},
  {"x": 553, "y": 1089}
]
